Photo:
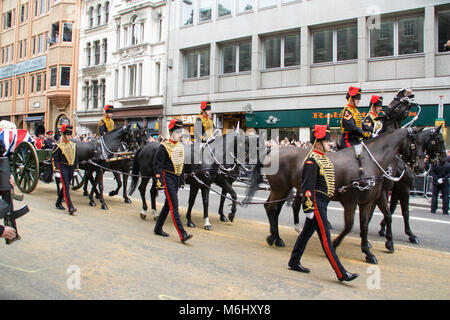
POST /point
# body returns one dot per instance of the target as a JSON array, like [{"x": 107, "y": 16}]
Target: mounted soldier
[
  {"x": 204, "y": 125},
  {"x": 106, "y": 123},
  {"x": 65, "y": 160},
  {"x": 351, "y": 120},
  {"x": 370, "y": 124}
]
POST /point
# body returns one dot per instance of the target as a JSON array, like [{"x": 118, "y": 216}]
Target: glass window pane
[
  {"x": 67, "y": 32},
  {"x": 382, "y": 40},
  {"x": 190, "y": 65},
  {"x": 272, "y": 53},
  {"x": 204, "y": 63},
  {"x": 444, "y": 31},
  {"x": 245, "y": 5},
  {"x": 204, "y": 11},
  {"x": 245, "y": 56},
  {"x": 323, "y": 46},
  {"x": 229, "y": 59},
  {"x": 410, "y": 35},
  {"x": 65, "y": 76},
  {"x": 38, "y": 82},
  {"x": 267, "y": 3},
  {"x": 53, "y": 77},
  {"x": 187, "y": 12},
  {"x": 292, "y": 50},
  {"x": 347, "y": 43},
  {"x": 224, "y": 7}
]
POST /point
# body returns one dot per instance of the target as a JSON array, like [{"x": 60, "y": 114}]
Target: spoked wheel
[
  {"x": 79, "y": 179},
  {"x": 25, "y": 164}
]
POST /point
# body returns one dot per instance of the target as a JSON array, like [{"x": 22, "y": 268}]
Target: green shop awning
[{"x": 309, "y": 117}]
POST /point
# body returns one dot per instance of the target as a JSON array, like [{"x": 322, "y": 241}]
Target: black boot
[
  {"x": 347, "y": 276},
  {"x": 186, "y": 237},
  {"x": 298, "y": 267},
  {"x": 59, "y": 206},
  {"x": 161, "y": 233}
]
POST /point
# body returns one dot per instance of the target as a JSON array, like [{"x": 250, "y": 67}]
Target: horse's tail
[
  {"x": 135, "y": 173},
  {"x": 255, "y": 179}
]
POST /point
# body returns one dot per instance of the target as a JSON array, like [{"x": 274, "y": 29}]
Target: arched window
[
  {"x": 99, "y": 14},
  {"x": 91, "y": 17},
  {"x": 106, "y": 12},
  {"x": 134, "y": 30}
]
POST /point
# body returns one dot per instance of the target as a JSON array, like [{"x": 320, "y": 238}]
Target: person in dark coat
[
  {"x": 440, "y": 171},
  {"x": 317, "y": 189},
  {"x": 169, "y": 163}
]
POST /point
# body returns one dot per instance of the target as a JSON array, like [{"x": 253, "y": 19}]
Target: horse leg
[
  {"x": 192, "y": 195},
  {"x": 404, "y": 202},
  {"x": 153, "y": 195},
  {"x": 91, "y": 194},
  {"x": 89, "y": 178},
  {"x": 364, "y": 226},
  {"x": 205, "y": 198},
  {"x": 228, "y": 188},
  {"x": 125, "y": 185},
  {"x": 296, "y": 205},
  {"x": 99, "y": 179},
  {"x": 349, "y": 219},
  {"x": 383, "y": 205},
  {"x": 119, "y": 184},
  {"x": 222, "y": 202},
  {"x": 142, "y": 187},
  {"x": 273, "y": 211}
]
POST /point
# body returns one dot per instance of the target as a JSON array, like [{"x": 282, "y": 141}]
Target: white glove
[
  {"x": 440, "y": 181},
  {"x": 310, "y": 215}
]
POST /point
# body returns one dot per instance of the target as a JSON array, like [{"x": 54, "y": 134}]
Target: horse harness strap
[{"x": 359, "y": 156}]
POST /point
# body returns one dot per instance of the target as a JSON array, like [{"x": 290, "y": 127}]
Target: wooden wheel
[
  {"x": 79, "y": 179},
  {"x": 25, "y": 165}
]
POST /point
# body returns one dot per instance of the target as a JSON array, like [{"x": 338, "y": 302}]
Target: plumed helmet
[
  {"x": 376, "y": 101},
  {"x": 205, "y": 105},
  {"x": 175, "y": 124},
  {"x": 319, "y": 132},
  {"x": 354, "y": 92},
  {"x": 66, "y": 129}
]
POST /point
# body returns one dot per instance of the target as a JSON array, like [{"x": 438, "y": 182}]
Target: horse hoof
[
  {"x": 270, "y": 240},
  {"x": 389, "y": 246},
  {"x": 112, "y": 193},
  {"x": 414, "y": 239},
  {"x": 85, "y": 193},
  {"x": 92, "y": 204},
  {"x": 382, "y": 233},
  {"x": 231, "y": 217},
  {"x": 190, "y": 224},
  {"x": 143, "y": 215},
  {"x": 208, "y": 227},
  {"x": 371, "y": 259},
  {"x": 127, "y": 200},
  {"x": 280, "y": 243},
  {"x": 104, "y": 207},
  {"x": 223, "y": 218}
]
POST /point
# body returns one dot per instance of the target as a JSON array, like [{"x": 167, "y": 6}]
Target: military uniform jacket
[
  {"x": 370, "y": 124},
  {"x": 105, "y": 125},
  {"x": 351, "y": 123},
  {"x": 317, "y": 177},
  {"x": 65, "y": 153},
  {"x": 170, "y": 158},
  {"x": 207, "y": 128}
]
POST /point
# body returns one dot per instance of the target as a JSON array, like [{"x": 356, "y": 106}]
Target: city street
[{"x": 115, "y": 255}]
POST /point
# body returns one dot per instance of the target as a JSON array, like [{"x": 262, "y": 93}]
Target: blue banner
[{"x": 23, "y": 67}]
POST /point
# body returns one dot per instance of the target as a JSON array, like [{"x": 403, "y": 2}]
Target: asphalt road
[{"x": 115, "y": 255}]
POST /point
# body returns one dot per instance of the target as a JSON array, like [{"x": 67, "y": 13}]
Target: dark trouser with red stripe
[
  {"x": 171, "y": 184},
  {"x": 348, "y": 140},
  {"x": 320, "y": 224},
  {"x": 66, "y": 173}
]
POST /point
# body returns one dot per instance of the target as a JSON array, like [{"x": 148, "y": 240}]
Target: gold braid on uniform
[
  {"x": 355, "y": 114},
  {"x": 326, "y": 169},
  {"x": 108, "y": 122},
  {"x": 176, "y": 154},
  {"x": 208, "y": 125},
  {"x": 68, "y": 149}
]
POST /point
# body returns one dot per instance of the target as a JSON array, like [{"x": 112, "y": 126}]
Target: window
[
  {"x": 88, "y": 54},
  {"x": 42, "y": 7},
  {"x": 45, "y": 81},
  {"x": 245, "y": 5},
  {"x": 55, "y": 33},
  {"x": 86, "y": 94},
  {"x": 236, "y": 58},
  {"x": 41, "y": 43},
  {"x": 32, "y": 84},
  {"x": 132, "y": 80},
  {"x": 53, "y": 74},
  {"x": 36, "y": 8},
  {"x": 65, "y": 76},
  {"x": 267, "y": 3},
  {"x": 19, "y": 80},
  {"x": 1, "y": 89},
  {"x": 91, "y": 17},
  {"x": 196, "y": 64},
  {"x": 103, "y": 89},
  {"x": 443, "y": 31},
  {"x": 23, "y": 12},
  {"x": 158, "y": 78},
  {"x": 337, "y": 44},
  {"x": 95, "y": 94},
  {"x": 142, "y": 32},
  {"x": 397, "y": 37},
  {"x": 224, "y": 7},
  {"x": 205, "y": 9},
  {"x": 96, "y": 53},
  {"x": 105, "y": 50},
  {"x": 283, "y": 51},
  {"x": 134, "y": 31},
  {"x": 38, "y": 82},
  {"x": 8, "y": 20},
  {"x": 106, "y": 12},
  {"x": 7, "y": 88},
  {"x": 67, "y": 32},
  {"x": 187, "y": 12},
  {"x": 99, "y": 14}
]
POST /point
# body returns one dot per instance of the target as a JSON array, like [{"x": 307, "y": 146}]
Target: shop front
[
  {"x": 296, "y": 123},
  {"x": 149, "y": 117}
]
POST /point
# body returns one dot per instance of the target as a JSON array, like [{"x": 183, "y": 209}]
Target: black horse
[{"x": 97, "y": 152}]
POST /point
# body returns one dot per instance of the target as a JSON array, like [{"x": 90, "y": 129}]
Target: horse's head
[
  {"x": 398, "y": 110},
  {"x": 415, "y": 151},
  {"x": 434, "y": 144},
  {"x": 141, "y": 135},
  {"x": 127, "y": 138}
]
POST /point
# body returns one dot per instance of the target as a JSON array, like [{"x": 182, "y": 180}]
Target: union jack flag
[{"x": 12, "y": 137}]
